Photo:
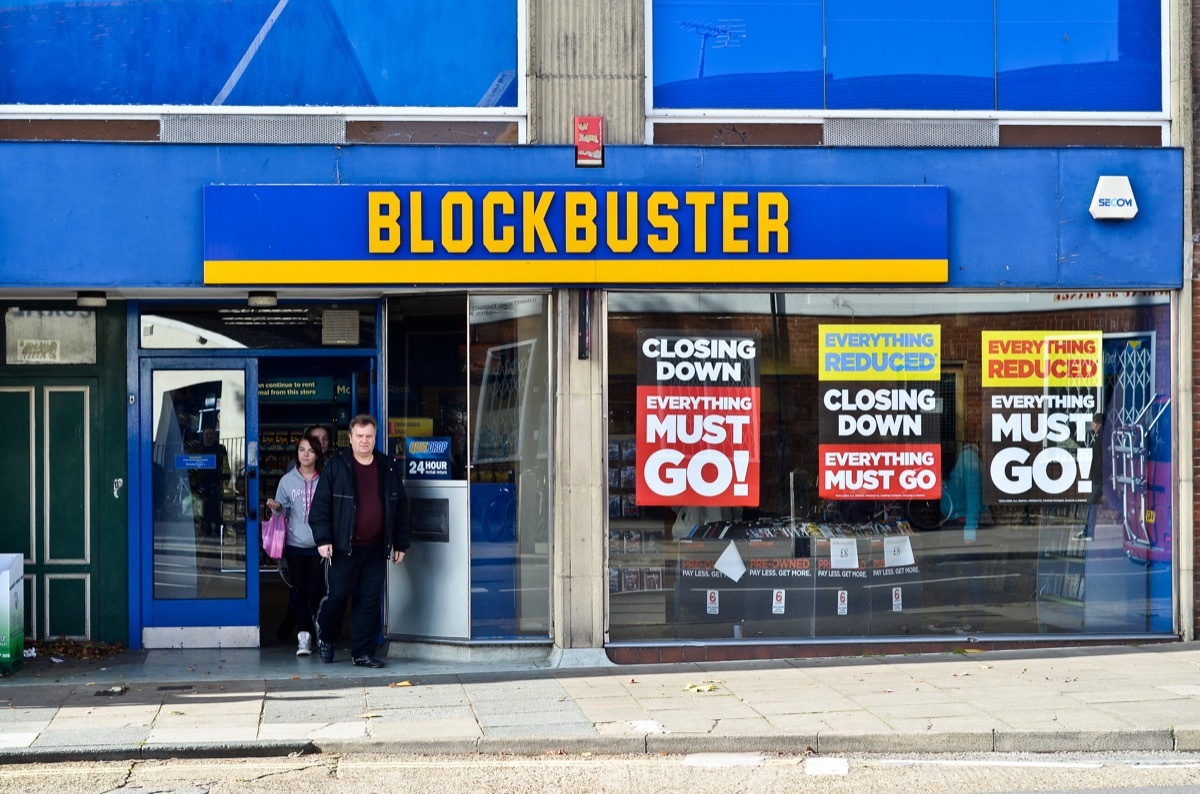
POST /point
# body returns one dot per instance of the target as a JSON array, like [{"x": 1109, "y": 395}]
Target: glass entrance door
[{"x": 198, "y": 450}]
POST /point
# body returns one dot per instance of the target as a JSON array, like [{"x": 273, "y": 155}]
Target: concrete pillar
[
  {"x": 579, "y": 583},
  {"x": 587, "y": 58}
]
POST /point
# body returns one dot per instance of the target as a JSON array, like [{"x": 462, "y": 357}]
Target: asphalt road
[{"x": 696, "y": 774}]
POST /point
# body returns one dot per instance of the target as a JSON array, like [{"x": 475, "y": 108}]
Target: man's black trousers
[{"x": 357, "y": 577}]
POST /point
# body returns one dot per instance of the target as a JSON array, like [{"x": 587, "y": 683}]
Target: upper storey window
[
  {"x": 1100, "y": 56},
  {"x": 284, "y": 53}
]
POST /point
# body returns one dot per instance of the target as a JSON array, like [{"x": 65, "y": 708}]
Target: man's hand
[
  {"x": 397, "y": 557},
  {"x": 326, "y": 551}
]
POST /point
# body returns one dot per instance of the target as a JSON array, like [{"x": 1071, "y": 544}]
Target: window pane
[
  {"x": 1079, "y": 55},
  {"x": 737, "y": 55},
  {"x": 199, "y": 484},
  {"x": 509, "y": 391},
  {"x": 932, "y": 55},
  {"x": 893, "y": 499},
  {"x": 259, "y": 52}
]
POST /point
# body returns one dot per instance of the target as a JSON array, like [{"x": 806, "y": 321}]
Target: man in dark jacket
[{"x": 359, "y": 514}]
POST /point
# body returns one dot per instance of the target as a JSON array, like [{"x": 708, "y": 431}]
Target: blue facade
[{"x": 78, "y": 215}]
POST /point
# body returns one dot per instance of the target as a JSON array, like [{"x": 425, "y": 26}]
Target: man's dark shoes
[
  {"x": 368, "y": 661},
  {"x": 325, "y": 649}
]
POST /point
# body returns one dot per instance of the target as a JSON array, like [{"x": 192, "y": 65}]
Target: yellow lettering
[
  {"x": 581, "y": 222},
  {"x": 700, "y": 203},
  {"x": 457, "y": 199},
  {"x": 617, "y": 243},
  {"x": 418, "y": 244},
  {"x": 383, "y": 222},
  {"x": 534, "y": 217},
  {"x": 772, "y": 220},
  {"x": 504, "y": 243},
  {"x": 665, "y": 243},
  {"x": 731, "y": 221}
]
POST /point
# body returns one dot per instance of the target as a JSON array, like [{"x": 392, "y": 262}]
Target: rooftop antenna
[{"x": 725, "y": 33}]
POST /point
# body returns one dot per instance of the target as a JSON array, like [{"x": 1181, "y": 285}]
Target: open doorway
[{"x": 298, "y": 393}]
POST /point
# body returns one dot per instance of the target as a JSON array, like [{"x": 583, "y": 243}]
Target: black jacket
[{"x": 334, "y": 503}]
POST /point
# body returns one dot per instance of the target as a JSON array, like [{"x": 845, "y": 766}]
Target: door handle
[{"x": 118, "y": 484}]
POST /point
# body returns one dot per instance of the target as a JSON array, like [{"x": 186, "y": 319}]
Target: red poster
[
  {"x": 697, "y": 420},
  {"x": 886, "y": 471}
]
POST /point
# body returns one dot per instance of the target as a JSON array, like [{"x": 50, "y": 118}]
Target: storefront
[
  {"x": 227, "y": 391},
  {"x": 794, "y": 350},
  {"x": 927, "y": 465}
]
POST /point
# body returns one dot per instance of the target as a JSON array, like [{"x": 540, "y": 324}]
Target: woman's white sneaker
[{"x": 303, "y": 644}]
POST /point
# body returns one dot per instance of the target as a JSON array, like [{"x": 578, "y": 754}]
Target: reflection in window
[
  {"x": 1077, "y": 55},
  {"x": 199, "y": 485},
  {"x": 260, "y": 53},
  {"x": 928, "y": 56}
]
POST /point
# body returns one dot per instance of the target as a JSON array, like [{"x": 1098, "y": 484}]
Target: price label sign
[
  {"x": 898, "y": 551},
  {"x": 778, "y": 600},
  {"x": 714, "y": 602},
  {"x": 843, "y": 553},
  {"x": 897, "y": 599},
  {"x": 843, "y": 602}
]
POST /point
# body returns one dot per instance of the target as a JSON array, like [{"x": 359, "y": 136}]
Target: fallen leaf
[
  {"x": 399, "y": 683},
  {"x": 65, "y": 648},
  {"x": 369, "y": 716},
  {"x": 700, "y": 687},
  {"x": 295, "y": 678}
]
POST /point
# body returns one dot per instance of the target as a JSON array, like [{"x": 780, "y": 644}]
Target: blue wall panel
[{"x": 77, "y": 215}]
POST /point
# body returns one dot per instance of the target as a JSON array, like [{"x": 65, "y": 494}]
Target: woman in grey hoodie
[{"x": 306, "y": 578}]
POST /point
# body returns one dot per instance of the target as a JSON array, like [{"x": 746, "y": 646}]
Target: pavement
[{"x": 259, "y": 702}]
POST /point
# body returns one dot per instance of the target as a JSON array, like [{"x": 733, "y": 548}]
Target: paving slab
[{"x": 250, "y": 701}]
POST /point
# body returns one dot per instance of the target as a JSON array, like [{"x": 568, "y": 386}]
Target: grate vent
[
  {"x": 339, "y": 327},
  {"x": 206, "y": 128},
  {"x": 911, "y": 132}
]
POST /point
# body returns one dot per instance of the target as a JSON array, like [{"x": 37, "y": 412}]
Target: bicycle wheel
[{"x": 924, "y": 514}]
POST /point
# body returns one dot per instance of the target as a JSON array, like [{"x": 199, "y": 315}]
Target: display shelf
[
  {"x": 641, "y": 573},
  {"x": 1062, "y": 574},
  {"x": 811, "y": 578}
]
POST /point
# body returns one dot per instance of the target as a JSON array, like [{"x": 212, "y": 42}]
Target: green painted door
[{"x": 49, "y": 494}]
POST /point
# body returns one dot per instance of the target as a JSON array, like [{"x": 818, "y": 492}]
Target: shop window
[{"x": 908, "y": 465}]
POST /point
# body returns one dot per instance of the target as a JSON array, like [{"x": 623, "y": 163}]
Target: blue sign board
[
  {"x": 427, "y": 458},
  {"x": 195, "y": 461},
  {"x": 558, "y": 233}
]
